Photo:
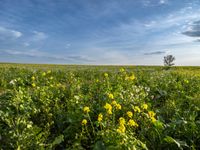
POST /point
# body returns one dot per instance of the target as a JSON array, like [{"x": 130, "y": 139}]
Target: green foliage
[{"x": 99, "y": 108}]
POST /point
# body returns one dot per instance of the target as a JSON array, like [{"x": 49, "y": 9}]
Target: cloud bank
[
  {"x": 193, "y": 29},
  {"x": 155, "y": 53},
  {"x": 40, "y": 54},
  {"x": 6, "y": 33}
]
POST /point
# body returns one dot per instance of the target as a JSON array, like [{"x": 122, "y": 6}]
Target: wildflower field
[{"x": 99, "y": 107}]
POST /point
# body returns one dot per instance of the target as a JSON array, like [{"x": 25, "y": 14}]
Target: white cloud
[
  {"x": 34, "y": 53},
  {"x": 6, "y": 33},
  {"x": 152, "y": 3},
  {"x": 136, "y": 29},
  {"x": 40, "y": 54},
  {"x": 175, "y": 19},
  {"x": 163, "y": 1},
  {"x": 26, "y": 44},
  {"x": 38, "y": 36},
  {"x": 107, "y": 56},
  {"x": 169, "y": 27},
  {"x": 34, "y": 39},
  {"x": 161, "y": 33},
  {"x": 68, "y": 45}
]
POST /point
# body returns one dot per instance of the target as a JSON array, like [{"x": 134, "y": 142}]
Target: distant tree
[{"x": 168, "y": 60}]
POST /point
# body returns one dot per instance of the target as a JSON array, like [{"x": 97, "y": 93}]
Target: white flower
[{"x": 13, "y": 81}]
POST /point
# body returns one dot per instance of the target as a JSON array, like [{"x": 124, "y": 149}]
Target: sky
[{"x": 100, "y": 32}]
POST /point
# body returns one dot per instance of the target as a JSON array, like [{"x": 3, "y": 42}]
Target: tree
[{"x": 168, "y": 60}]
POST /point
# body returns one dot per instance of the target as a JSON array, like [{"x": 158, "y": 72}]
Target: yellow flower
[
  {"x": 118, "y": 106},
  {"x": 126, "y": 78},
  {"x": 111, "y": 96},
  {"x": 86, "y": 109},
  {"x": 33, "y": 78},
  {"x": 132, "y": 123},
  {"x": 122, "y": 121},
  {"x": 43, "y": 74},
  {"x": 49, "y": 71},
  {"x": 84, "y": 122},
  {"x": 121, "y": 70},
  {"x": 132, "y": 77},
  {"x": 58, "y": 84},
  {"x": 114, "y": 103},
  {"x": 108, "y": 107},
  {"x": 109, "y": 111},
  {"x": 100, "y": 117},
  {"x": 186, "y": 81},
  {"x": 129, "y": 114},
  {"x": 144, "y": 106},
  {"x": 153, "y": 119},
  {"x": 51, "y": 78},
  {"x": 33, "y": 85},
  {"x": 29, "y": 126},
  {"x": 151, "y": 114},
  {"x": 121, "y": 129},
  {"x": 137, "y": 109},
  {"x": 105, "y": 74}
]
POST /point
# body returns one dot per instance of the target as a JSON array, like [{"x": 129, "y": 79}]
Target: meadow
[{"x": 99, "y": 107}]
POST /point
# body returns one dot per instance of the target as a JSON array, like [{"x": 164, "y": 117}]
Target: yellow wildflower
[
  {"x": 84, "y": 122},
  {"x": 118, "y": 106},
  {"x": 126, "y": 78},
  {"x": 86, "y": 109},
  {"x": 43, "y": 74},
  {"x": 108, "y": 107},
  {"x": 129, "y": 114},
  {"x": 114, "y": 103},
  {"x": 186, "y": 81},
  {"x": 122, "y": 121},
  {"x": 151, "y": 114},
  {"x": 132, "y": 77},
  {"x": 100, "y": 117},
  {"x": 137, "y": 109},
  {"x": 33, "y": 85},
  {"x": 144, "y": 106},
  {"x": 33, "y": 78},
  {"x": 58, "y": 84},
  {"x": 29, "y": 126},
  {"x": 105, "y": 74},
  {"x": 111, "y": 96},
  {"x": 121, "y": 70},
  {"x": 121, "y": 129},
  {"x": 51, "y": 78},
  {"x": 132, "y": 123},
  {"x": 49, "y": 71},
  {"x": 109, "y": 111},
  {"x": 153, "y": 119}
]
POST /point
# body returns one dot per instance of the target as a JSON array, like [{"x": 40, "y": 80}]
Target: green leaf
[
  {"x": 58, "y": 140},
  {"x": 158, "y": 124},
  {"x": 180, "y": 144},
  {"x": 99, "y": 145}
]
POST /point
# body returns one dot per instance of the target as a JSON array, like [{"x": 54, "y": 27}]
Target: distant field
[
  {"x": 98, "y": 67},
  {"x": 99, "y": 107}
]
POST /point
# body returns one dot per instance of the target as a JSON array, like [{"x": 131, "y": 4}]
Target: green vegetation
[{"x": 99, "y": 107}]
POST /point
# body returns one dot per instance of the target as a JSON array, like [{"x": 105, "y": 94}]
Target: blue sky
[{"x": 133, "y": 32}]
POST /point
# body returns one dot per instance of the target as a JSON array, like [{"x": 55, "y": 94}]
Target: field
[{"x": 99, "y": 107}]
